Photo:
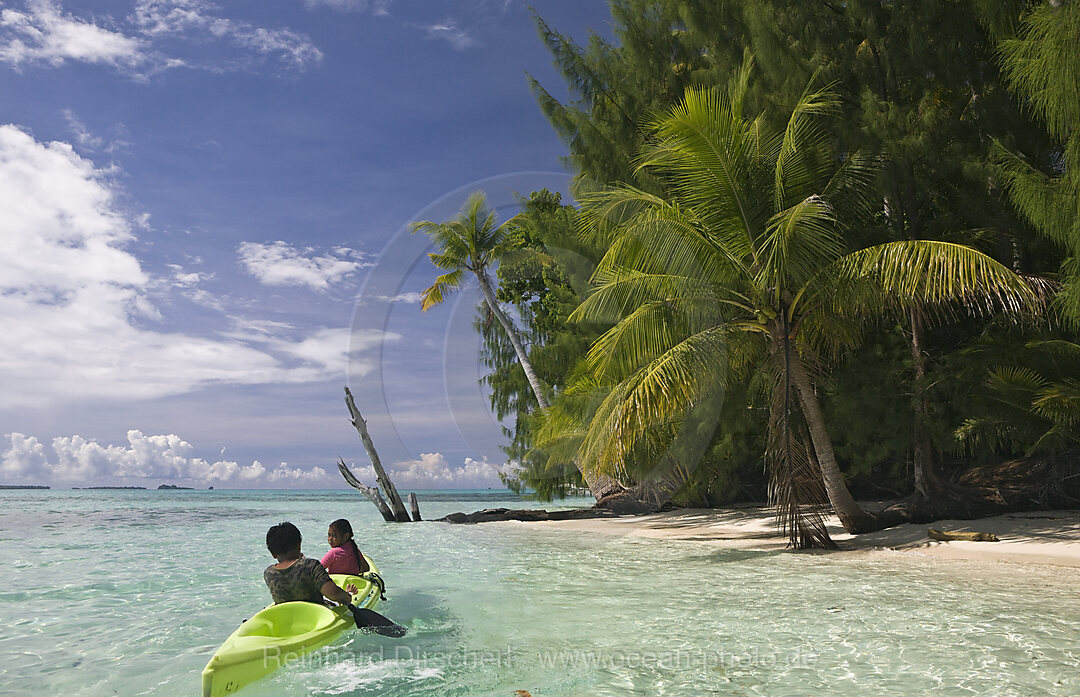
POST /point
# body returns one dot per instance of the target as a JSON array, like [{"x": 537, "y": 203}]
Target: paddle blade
[{"x": 371, "y": 621}]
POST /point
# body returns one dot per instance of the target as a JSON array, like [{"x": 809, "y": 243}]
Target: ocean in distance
[{"x": 130, "y": 592}]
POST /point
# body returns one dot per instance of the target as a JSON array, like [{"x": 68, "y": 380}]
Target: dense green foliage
[{"x": 970, "y": 108}]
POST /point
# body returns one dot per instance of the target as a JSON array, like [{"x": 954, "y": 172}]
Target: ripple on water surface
[{"x": 131, "y": 592}]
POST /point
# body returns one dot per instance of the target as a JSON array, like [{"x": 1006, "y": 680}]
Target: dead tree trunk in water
[
  {"x": 369, "y": 491},
  {"x": 396, "y": 505}
]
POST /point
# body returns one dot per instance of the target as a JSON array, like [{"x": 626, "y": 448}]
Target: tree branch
[{"x": 369, "y": 491}]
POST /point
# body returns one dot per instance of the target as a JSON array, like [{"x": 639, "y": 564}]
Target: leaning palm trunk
[
  {"x": 796, "y": 487},
  {"x": 852, "y": 516},
  {"x": 471, "y": 243},
  {"x": 515, "y": 337},
  {"x": 600, "y": 485}
]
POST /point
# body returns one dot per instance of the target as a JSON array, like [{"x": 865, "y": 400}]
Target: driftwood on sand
[
  {"x": 393, "y": 511},
  {"x": 946, "y": 536}
]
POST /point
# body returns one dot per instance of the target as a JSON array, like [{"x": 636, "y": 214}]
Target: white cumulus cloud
[
  {"x": 43, "y": 33},
  {"x": 434, "y": 471},
  {"x": 75, "y": 302},
  {"x": 281, "y": 264},
  {"x": 169, "y": 458}
]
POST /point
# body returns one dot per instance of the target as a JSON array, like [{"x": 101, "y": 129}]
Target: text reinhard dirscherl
[{"x": 576, "y": 659}]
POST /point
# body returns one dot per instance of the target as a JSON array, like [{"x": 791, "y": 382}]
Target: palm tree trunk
[
  {"x": 922, "y": 453},
  {"x": 852, "y": 516},
  {"x": 599, "y": 484},
  {"x": 515, "y": 337}
]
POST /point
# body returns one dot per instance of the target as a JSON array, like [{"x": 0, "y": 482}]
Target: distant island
[
  {"x": 22, "y": 486},
  {"x": 173, "y": 486},
  {"x": 108, "y": 487}
]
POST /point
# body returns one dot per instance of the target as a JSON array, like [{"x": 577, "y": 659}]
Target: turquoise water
[{"x": 129, "y": 593}]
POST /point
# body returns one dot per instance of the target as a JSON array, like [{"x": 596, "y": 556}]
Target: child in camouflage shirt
[{"x": 294, "y": 576}]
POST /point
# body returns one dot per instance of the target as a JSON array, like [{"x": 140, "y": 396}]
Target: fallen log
[
  {"x": 490, "y": 515},
  {"x": 945, "y": 536}
]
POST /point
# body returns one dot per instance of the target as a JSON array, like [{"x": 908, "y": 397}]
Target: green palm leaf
[
  {"x": 665, "y": 386},
  {"x": 444, "y": 284},
  {"x": 944, "y": 276}
]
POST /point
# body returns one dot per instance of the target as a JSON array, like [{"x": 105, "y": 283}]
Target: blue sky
[{"x": 203, "y": 232}]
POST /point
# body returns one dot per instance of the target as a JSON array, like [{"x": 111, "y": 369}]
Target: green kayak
[{"x": 282, "y": 633}]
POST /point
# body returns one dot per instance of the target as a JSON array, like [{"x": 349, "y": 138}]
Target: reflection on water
[{"x": 130, "y": 593}]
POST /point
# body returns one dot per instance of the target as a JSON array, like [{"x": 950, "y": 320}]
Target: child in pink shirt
[{"x": 344, "y": 556}]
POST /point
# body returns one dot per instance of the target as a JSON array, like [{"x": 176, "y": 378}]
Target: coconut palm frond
[
  {"x": 447, "y": 238},
  {"x": 1013, "y": 378},
  {"x": 638, "y": 338},
  {"x": 657, "y": 393},
  {"x": 647, "y": 332},
  {"x": 1030, "y": 408},
  {"x": 830, "y": 333},
  {"x": 804, "y": 159},
  {"x": 1056, "y": 347},
  {"x": 671, "y": 239},
  {"x": 709, "y": 157},
  {"x": 436, "y": 292},
  {"x": 796, "y": 243},
  {"x": 604, "y": 212},
  {"x": 445, "y": 260},
  {"x": 850, "y": 187},
  {"x": 994, "y": 432},
  {"x": 1014, "y": 387},
  {"x": 1059, "y": 402},
  {"x": 1058, "y": 438},
  {"x": 623, "y": 290},
  {"x": 559, "y": 431},
  {"x": 739, "y": 84},
  {"x": 941, "y": 276}
]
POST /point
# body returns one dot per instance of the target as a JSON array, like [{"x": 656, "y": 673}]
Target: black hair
[
  {"x": 282, "y": 539},
  {"x": 344, "y": 527}
]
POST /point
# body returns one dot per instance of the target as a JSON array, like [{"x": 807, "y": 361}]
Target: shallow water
[{"x": 130, "y": 592}]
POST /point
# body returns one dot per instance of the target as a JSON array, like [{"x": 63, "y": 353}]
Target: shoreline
[{"x": 1047, "y": 538}]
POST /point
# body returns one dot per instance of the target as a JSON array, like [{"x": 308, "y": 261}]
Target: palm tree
[
  {"x": 472, "y": 243},
  {"x": 742, "y": 267}
]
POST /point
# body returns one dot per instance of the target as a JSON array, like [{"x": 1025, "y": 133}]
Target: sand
[{"x": 1038, "y": 537}]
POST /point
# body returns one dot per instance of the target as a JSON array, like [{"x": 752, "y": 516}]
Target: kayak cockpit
[{"x": 289, "y": 620}]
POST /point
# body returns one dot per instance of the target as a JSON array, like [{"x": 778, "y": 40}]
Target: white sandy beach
[{"x": 1037, "y": 537}]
